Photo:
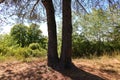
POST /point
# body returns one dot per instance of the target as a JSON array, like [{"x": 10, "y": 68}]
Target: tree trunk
[
  {"x": 66, "y": 50},
  {"x": 52, "y": 37}
]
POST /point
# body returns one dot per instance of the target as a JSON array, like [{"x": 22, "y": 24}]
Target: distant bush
[
  {"x": 11, "y": 47},
  {"x": 34, "y": 46},
  {"x": 34, "y": 50},
  {"x": 84, "y": 48},
  {"x": 38, "y": 53},
  {"x": 23, "y": 52},
  {"x": 3, "y": 50}
]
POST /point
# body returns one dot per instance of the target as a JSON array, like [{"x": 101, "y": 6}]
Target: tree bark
[
  {"x": 1, "y": 1},
  {"x": 66, "y": 50},
  {"x": 52, "y": 36}
]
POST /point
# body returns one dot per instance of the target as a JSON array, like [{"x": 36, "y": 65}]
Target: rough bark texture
[
  {"x": 1, "y": 1},
  {"x": 52, "y": 37},
  {"x": 65, "y": 58}
]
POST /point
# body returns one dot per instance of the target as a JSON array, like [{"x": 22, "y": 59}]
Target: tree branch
[
  {"x": 1, "y": 1},
  {"x": 81, "y": 6},
  {"x": 34, "y": 7}
]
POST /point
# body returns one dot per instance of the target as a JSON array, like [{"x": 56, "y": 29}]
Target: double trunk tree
[
  {"x": 66, "y": 49},
  {"x": 52, "y": 36}
]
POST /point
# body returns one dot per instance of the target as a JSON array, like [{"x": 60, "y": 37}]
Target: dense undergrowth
[{"x": 19, "y": 53}]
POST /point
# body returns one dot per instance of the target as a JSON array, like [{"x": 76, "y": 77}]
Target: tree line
[
  {"x": 23, "y": 42},
  {"x": 24, "y": 35},
  {"x": 96, "y": 33}
]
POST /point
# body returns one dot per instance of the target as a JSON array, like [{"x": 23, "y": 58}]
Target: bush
[
  {"x": 38, "y": 52},
  {"x": 23, "y": 52},
  {"x": 33, "y": 50},
  {"x": 4, "y": 50},
  {"x": 10, "y": 52},
  {"x": 20, "y": 53},
  {"x": 34, "y": 46}
]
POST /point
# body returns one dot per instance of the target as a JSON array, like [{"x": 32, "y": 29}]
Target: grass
[
  {"x": 4, "y": 59},
  {"x": 20, "y": 55},
  {"x": 106, "y": 67}
]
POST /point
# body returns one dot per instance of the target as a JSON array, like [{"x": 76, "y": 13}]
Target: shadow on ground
[
  {"x": 38, "y": 71},
  {"x": 78, "y": 74}
]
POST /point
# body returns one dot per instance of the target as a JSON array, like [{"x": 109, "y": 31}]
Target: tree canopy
[{"x": 29, "y": 10}]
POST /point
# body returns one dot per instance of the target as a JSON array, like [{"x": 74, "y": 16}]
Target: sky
[
  {"x": 7, "y": 22},
  {"x": 43, "y": 27},
  {"x": 4, "y": 13}
]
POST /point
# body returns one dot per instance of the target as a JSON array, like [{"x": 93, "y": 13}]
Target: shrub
[
  {"x": 10, "y": 52},
  {"x": 23, "y": 52},
  {"x": 34, "y": 46},
  {"x": 32, "y": 51},
  {"x": 20, "y": 53},
  {"x": 4, "y": 50},
  {"x": 38, "y": 52}
]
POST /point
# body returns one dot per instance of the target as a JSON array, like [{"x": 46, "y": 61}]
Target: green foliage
[
  {"x": 34, "y": 46},
  {"x": 34, "y": 34},
  {"x": 11, "y": 46},
  {"x": 43, "y": 42},
  {"x": 23, "y": 53},
  {"x": 6, "y": 44},
  {"x": 19, "y": 33},
  {"x": 24, "y": 35},
  {"x": 2, "y": 58},
  {"x": 3, "y": 50},
  {"x": 36, "y": 50},
  {"x": 38, "y": 53},
  {"x": 96, "y": 33},
  {"x": 7, "y": 40}
]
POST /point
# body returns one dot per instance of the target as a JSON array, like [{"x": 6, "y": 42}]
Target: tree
[
  {"x": 7, "y": 40},
  {"x": 19, "y": 33},
  {"x": 24, "y": 35},
  {"x": 52, "y": 37},
  {"x": 94, "y": 27},
  {"x": 65, "y": 58},
  {"x": 34, "y": 34},
  {"x": 66, "y": 49}
]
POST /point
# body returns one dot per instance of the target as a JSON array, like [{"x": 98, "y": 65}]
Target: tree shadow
[
  {"x": 40, "y": 71},
  {"x": 74, "y": 73}
]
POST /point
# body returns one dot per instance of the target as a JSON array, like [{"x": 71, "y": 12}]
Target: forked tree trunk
[
  {"x": 52, "y": 37},
  {"x": 66, "y": 50}
]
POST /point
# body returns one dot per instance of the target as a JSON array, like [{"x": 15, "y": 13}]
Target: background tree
[
  {"x": 19, "y": 33},
  {"x": 96, "y": 27},
  {"x": 94, "y": 33},
  {"x": 34, "y": 34}
]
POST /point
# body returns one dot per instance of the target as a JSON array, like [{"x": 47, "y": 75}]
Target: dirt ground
[{"x": 86, "y": 69}]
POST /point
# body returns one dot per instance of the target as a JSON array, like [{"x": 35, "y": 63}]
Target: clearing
[{"x": 103, "y": 68}]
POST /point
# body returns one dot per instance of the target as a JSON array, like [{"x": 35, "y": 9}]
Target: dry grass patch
[{"x": 106, "y": 67}]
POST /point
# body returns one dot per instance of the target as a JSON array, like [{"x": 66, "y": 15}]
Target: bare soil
[{"x": 98, "y": 69}]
